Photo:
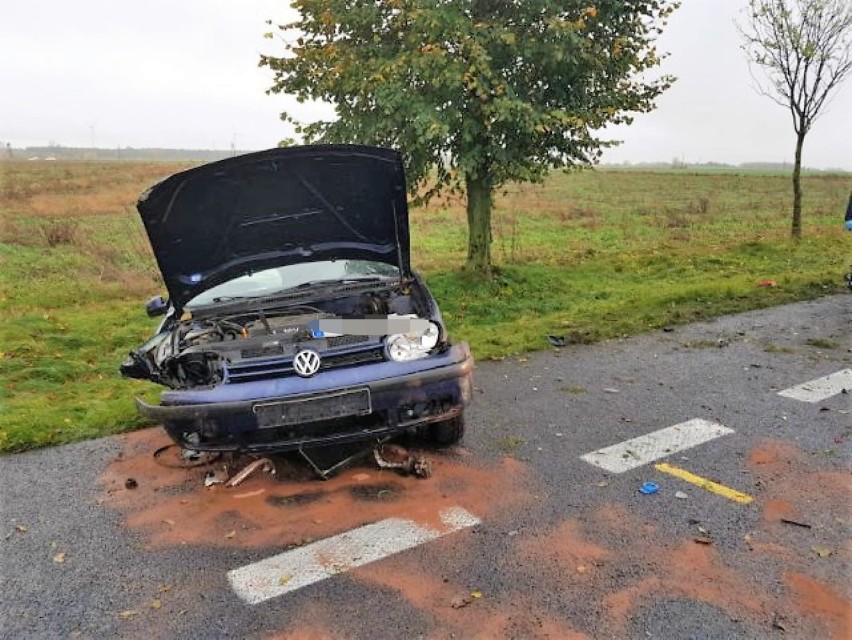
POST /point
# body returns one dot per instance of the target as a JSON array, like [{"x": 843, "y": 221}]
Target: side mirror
[{"x": 156, "y": 306}]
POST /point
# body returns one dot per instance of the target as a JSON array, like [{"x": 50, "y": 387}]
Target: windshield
[{"x": 270, "y": 281}]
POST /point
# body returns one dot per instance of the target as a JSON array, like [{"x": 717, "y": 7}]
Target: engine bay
[{"x": 198, "y": 349}]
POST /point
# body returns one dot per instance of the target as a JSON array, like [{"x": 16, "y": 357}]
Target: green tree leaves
[{"x": 473, "y": 93}]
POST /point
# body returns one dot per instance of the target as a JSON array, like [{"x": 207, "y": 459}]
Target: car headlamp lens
[{"x": 403, "y": 347}]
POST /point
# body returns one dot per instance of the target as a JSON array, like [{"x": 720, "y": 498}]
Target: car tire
[{"x": 447, "y": 432}]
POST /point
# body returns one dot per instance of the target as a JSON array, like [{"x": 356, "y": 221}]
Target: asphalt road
[{"x": 550, "y": 545}]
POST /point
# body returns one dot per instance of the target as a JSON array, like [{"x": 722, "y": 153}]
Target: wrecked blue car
[{"x": 294, "y": 318}]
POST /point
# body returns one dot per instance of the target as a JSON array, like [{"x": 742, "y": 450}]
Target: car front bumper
[{"x": 334, "y": 407}]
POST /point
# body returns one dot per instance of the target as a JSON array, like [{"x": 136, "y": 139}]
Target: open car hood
[{"x": 273, "y": 208}]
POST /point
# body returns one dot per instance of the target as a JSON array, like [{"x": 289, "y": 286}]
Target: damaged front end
[{"x": 237, "y": 381}]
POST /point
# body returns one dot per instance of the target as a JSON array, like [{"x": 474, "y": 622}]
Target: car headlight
[{"x": 403, "y": 347}]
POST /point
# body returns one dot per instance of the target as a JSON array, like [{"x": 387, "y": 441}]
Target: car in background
[{"x": 294, "y": 318}]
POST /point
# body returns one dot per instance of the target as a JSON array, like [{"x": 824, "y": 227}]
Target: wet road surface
[{"x": 534, "y": 528}]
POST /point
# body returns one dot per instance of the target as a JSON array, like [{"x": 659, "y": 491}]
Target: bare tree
[{"x": 804, "y": 49}]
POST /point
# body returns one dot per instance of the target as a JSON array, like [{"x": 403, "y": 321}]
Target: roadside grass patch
[
  {"x": 589, "y": 256},
  {"x": 509, "y": 444},
  {"x": 822, "y": 343}
]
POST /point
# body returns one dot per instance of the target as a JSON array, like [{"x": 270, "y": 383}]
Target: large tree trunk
[
  {"x": 478, "y": 224},
  {"x": 797, "y": 186}
]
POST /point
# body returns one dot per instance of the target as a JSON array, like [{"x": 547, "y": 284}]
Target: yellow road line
[{"x": 698, "y": 481}]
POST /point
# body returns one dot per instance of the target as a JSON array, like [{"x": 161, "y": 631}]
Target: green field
[{"x": 587, "y": 255}]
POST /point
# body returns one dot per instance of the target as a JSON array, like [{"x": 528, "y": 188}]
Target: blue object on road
[{"x": 649, "y": 487}]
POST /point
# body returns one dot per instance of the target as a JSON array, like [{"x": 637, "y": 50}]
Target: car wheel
[{"x": 447, "y": 432}]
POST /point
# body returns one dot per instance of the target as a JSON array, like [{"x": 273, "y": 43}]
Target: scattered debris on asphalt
[
  {"x": 396, "y": 457},
  {"x": 265, "y": 463},
  {"x": 703, "y": 540},
  {"x": 127, "y": 615},
  {"x": 131, "y": 483},
  {"x": 779, "y": 622},
  {"x": 796, "y": 523},
  {"x": 216, "y": 476},
  {"x": 680, "y": 495},
  {"x": 462, "y": 601},
  {"x": 180, "y": 458},
  {"x": 822, "y": 552},
  {"x": 21, "y": 528},
  {"x": 59, "y": 558},
  {"x": 649, "y": 488},
  {"x": 611, "y": 390}
]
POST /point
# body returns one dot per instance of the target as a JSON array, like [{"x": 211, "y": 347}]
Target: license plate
[{"x": 313, "y": 408}]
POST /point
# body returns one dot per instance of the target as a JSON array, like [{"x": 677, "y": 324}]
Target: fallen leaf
[
  {"x": 822, "y": 552},
  {"x": 156, "y": 603},
  {"x": 59, "y": 558},
  {"x": 602, "y": 483},
  {"x": 284, "y": 580},
  {"x": 460, "y": 601},
  {"x": 476, "y": 594},
  {"x": 581, "y": 568},
  {"x": 127, "y": 615},
  {"x": 231, "y": 534},
  {"x": 703, "y": 540},
  {"x": 165, "y": 588},
  {"x": 21, "y": 528}
]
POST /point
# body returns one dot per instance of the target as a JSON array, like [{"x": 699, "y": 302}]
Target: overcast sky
[{"x": 183, "y": 73}]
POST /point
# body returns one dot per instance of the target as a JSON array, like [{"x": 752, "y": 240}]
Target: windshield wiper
[
  {"x": 337, "y": 281},
  {"x": 232, "y": 298}
]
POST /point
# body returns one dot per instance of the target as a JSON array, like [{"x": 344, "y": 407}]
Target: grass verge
[{"x": 587, "y": 256}]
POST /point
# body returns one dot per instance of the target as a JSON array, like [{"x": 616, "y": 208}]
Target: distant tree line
[{"x": 59, "y": 152}]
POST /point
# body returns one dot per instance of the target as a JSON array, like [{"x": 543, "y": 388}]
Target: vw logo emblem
[{"x": 306, "y": 363}]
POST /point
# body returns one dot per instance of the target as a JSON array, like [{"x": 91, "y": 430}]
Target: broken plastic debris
[
  {"x": 556, "y": 341},
  {"x": 215, "y": 477},
  {"x": 418, "y": 466},
  {"x": 649, "y": 487},
  {"x": 249, "y": 469},
  {"x": 680, "y": 495}
]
